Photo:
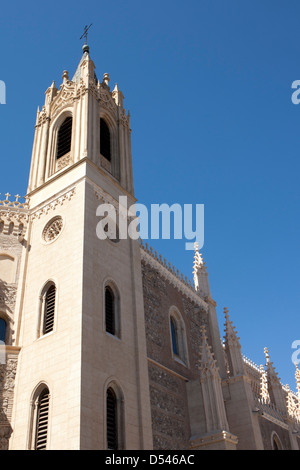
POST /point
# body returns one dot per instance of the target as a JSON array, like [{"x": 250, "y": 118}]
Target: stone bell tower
[{"x": 82, "y": 379}]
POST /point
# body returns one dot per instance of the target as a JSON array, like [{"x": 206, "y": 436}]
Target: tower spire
[
  {"x": 233, "y": 348},
  {"x": 200, "y": 274},
  {"x": 208, "y": 390},
  {"x": 274, "y": 385},
  {"x": 198, "y": 262},
  {"x": 264, "y": 391}
]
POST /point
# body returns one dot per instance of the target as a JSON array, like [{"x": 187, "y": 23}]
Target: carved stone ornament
[{"x": 53, "y": 229}]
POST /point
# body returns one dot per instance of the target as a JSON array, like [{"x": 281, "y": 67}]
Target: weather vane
[{"x": 85, "y": 32}]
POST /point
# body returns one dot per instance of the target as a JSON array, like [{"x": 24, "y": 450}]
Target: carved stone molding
[
  {"x": 63, "y": 162},
  {"x": 52, "y": 205},
  {"x": 107, "y": 101},
  {"x": 13, "y": 216},
  {"x": 64, "y": 98},
  {"x": 7, "y": 384}
]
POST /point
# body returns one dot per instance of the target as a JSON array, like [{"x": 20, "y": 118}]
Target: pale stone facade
[{"x": 176, "y": 384}]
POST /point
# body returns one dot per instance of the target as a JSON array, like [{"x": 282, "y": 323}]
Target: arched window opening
[
  {"x": 7, "y": 268},
  {"x": 42, "y": 418},
  {"x": 111, "y": 420},
  {"x": 49, "y": 309},
  {"x": 110, "y": 311},
  {"x": 174, "y": 337},
  {"x": 276, "y": 442},
  {"x": 3, "y": 328},
  {"x": 178, "y": 337},
  {"x": 105, "y": 147},
  {"x": 64, "y": 138}
]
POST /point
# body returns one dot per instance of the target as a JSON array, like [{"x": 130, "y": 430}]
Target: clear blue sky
[{"x": 208, "y": 84}]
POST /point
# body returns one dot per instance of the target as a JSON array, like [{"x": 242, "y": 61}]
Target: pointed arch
[
  {"x": 178, "y": 336},
  {"x": 61, "y": 142},
  {"x": 275, "y": 441},
  {"x": 64, "y": 137},
  {"x": 8, "y": 267},
  {"x": 105, "y": 144},
  {"x": 109, "y": 144}
]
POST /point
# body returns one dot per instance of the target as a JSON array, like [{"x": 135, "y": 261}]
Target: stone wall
[
  {"x": 10, "y": 247},
  {"x": 167, "y": 374},
  {"x": 7, "y": 384},
  {"x": 268, "y": 428}
]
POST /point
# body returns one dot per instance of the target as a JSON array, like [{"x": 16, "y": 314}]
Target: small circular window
[{"x": 53, "y": 229}]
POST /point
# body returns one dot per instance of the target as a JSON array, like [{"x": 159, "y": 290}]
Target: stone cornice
[
  {"x": 210, "y": 301},
  {"x": 212, "y": 438},
  {"x": 52, "y": 203}
]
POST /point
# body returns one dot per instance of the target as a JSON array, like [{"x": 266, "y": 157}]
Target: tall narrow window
[
  {"x": 42, "y": 417},
  {"x": 110, "y": 311},
  {"x": 111, "y": 420},
  {"x": 49, "y": 309},
  {"x": 105, "y": 149},
  {"x": 2, "y": 331},
  {"x": 174, "y": 336},
  {"x": 178, "y": 336},
  {"x": 64, "y": 138}
]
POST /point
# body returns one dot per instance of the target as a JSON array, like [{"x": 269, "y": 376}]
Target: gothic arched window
[
  {"x": 64, "y": 138},
  {"x": 276, "y": 444},
  {"x": 111, "y": 420},
  {"x": 174, "y": 336},
  {"x": 105, "y": 146},
  {"x": 178, "y": 336},
  {"x": 41, "y": 419}
]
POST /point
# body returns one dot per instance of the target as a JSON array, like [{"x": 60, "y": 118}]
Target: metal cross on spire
[{"x": 85, "y": 32}]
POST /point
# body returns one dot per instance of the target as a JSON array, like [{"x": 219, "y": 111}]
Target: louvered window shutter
[
  {"x": 109, "y": 311},
  {"x": 105, "y": 140},
  {"x": 111, "y": 420},
  {"x": 49, "y": 310},
  {"x": 42, "y": 421},
  {"x": 64, "y": 138}
]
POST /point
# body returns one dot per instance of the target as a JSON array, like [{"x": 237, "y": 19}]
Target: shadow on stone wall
[
  {"x": 7, "y": 295},
  {"x": 6, "y": 383}
]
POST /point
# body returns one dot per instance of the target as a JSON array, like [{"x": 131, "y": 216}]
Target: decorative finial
[
  {"x": 198, "y": 260},
  {"x": 266, "y": 351},
  {"x": 65, "y": 76},
  {"x": 106, "y": 79}
]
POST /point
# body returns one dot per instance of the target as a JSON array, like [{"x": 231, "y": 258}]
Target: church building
[{"x": 104, "y": 344}]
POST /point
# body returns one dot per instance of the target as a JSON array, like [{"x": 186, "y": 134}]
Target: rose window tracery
[{"x": 53, "y": 229}]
